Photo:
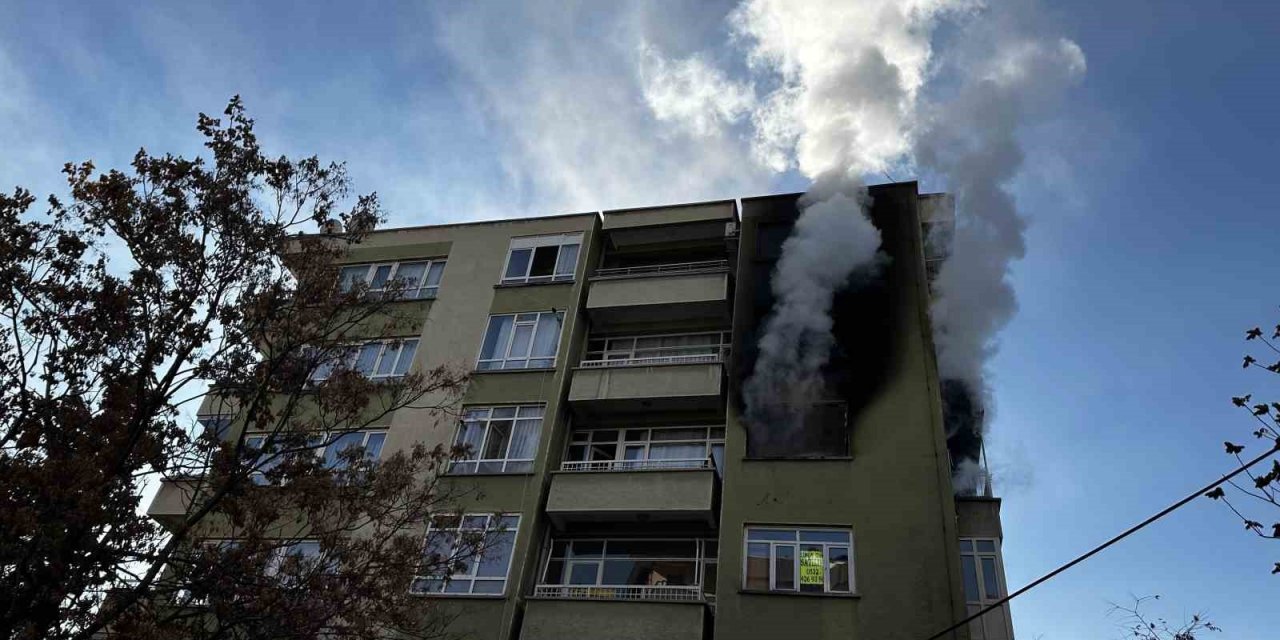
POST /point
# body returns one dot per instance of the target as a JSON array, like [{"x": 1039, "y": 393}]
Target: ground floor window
[{"x": 810, "y": 560}]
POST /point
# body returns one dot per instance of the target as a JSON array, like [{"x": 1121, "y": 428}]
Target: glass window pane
[
  {"x": 496, "y": 555},
  {"x": 710, "y": 548},
  {"x": 679, "y": 434},
  {"x": 692, "y": 453},
  {"x": 604, "y": 451},
  {"x": 524, "y": 440},
  {"x": 366, "y": 357},
  {"x": 824, "y": 536},
  {"x": 387, "y": 364},
  {"x": 966, "y": 546},
  {"x": 583, "y": 572},
  {"x": 548, "y": 335},
  {"x": 771, "y": 534},
  {"x": 637, "y": 435},
  {"x": 970, "y": 572},
  {"x": 784, "y": 567},
  {"x": 408, "y": 349},
  {"x": 381, "y": 274},
  {"x": 757, "y": 566},
  {"x": 652, "y": 549},
  {"x": 518, "y": 264},
  {"x": 544, "y": 261},
  {"x": 373, "y": 445},
  {"x": 838, "y": 566},
  {"x": 577, "y": 453},
  {"x": 530, "y": 412},
  {"x": 567, "y": 261},
  {"x": 559, "y": 549},
  {"x": 555, "y": 572},
  {"x": 434, "y": 275},
  {"x": 333, "y": 457},
  {"x": 989, "y": 587},
  {"x": 349, "y": 276},
  {"x": 504, "y": 412},
  {"x": 633, "y": 452},
  {"x": 469, "y": 437},
  {"x": 521, "y": 341},
  {"x": 986, "y": 546},
  {"x": 489, "y": 586},
  {"x": 508, "y": 523},
  {"x": 495, "y": 446},
  {"x": 709, "y": 577},
  {"x": 496, "y": 338},
  {"x": 587, "y": 549},
  {"x": 458, "y": 586},
  {"x": 409, "y": 276}
]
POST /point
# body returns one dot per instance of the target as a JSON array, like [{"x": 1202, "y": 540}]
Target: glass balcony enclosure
[
  {"x": 629, "y": 569},
  {"x": 635, "y": 449},
  {"x": 643, "y": 350}
]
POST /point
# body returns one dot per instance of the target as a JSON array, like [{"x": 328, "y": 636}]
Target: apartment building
[{"x": 605, "y": 416}]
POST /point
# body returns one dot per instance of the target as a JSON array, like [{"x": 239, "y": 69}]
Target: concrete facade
[{"x": 635, "y": 361}]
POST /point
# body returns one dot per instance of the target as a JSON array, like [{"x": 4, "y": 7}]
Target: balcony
[
  {"x": 660, "y": 293},
  {"x": 667, "y": 593},
  {"x": 634, "y": 491},
  {"x": 635, "y": 374},
  {"x": 556, "y": 616},
  {"x": 173, "y": 499}
]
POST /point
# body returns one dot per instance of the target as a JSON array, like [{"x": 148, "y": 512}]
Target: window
[
  {"x": 542, "y": 259},
  {"x": 799, "y": 560},
  {"x": 217, "y": 427},
  {"x": 412, "y": 280},
  {"x": 645, "y": 448},
  {"x": 479, "y": 548},
  {"x": 657, "y": 349},
  {"x": 629, "y": 563},
  {"x": 329, "y": 447},
  {"x": 521, "y": 341},
  {"x": 979, "y": 562},
  {"x": 498, "y": 439},
  {"x": 383, "y": 359}
]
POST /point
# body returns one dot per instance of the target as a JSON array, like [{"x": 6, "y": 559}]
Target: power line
[{"x": 1195, "y": 494}]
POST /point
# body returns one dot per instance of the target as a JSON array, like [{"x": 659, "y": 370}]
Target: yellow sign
[{"x": 811, "y": 566}]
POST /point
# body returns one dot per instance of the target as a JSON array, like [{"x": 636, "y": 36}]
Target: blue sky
[{"x": 1149, "y": 193}]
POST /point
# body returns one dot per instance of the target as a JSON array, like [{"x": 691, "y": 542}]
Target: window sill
[
  {"x": 530, "y": 370},
  {"x": 461, "y": 596},
  {"x": 800, "y": 594},
  {"x": 495, "y": 474},
  {"x": 798, "y": 459},
  {"x": 517, "y": 285}
]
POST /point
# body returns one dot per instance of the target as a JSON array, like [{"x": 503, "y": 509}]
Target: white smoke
[{"x": 856, "y": 88}]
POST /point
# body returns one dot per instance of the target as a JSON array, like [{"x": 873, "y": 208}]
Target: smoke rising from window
[{"x": 843, "y": 90}]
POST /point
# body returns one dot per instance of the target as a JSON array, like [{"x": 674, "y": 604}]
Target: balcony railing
[
  {"x": 639, "y": 593},
  {"x": 596, "y": 360},
  {"x": 705, "y": 266},
  {"x": 637, "y": 465}
]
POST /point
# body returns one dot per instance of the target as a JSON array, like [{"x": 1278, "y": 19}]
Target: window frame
[
  {"x": 585, "y": 437},
  {"x": 352, "y": 355},
  {"x": 474, "y": 561},
  {"x": 422, "y": 290},
  {"x": 979, "y": 572},
  {"x": 328, "y": 438},
  {"x": 608, "y": 350},
  {"x": 506, "y": 460},
  {"x": 795, "y": 543},
  {"x": 516, "y": 322},
  {"x": 532, "y": 243},
  {"x": 700, "y": 560}
]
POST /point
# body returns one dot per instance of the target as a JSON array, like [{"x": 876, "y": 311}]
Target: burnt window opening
[{"x": 818, "y": 431}]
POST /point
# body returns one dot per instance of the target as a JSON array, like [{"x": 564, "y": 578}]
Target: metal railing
[
  {"x": 637, "y": 465},
  {"x": 704, "y": 266},
  {"x": 639, "y": 593},
  {"x": 660, "y": 355}
]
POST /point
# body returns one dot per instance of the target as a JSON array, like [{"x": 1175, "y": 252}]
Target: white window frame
[
  {"x": 492, "y": 525},
  {"x": 713, "y": 437},
  {"x": 795, "y": 544},
  {"x": 505, "y": 349},
  {"x": 522, "y": 413},
  {"x": 398, "y": 345},
  {"x": 415, "y": 291},
  {"x": 621, "y": 351},
  {"x": 700, "y": 559},
  {"x": 318, "y": 444},
  {"x": 559, "y": 240},
  {"x": 970, "y": 550}
]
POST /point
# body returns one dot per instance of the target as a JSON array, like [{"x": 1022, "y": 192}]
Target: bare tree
[
  {"x": 186, "y": 282},
  {"x": 1138, "y": 624},
  {"x": 1261, "y": 494}
]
